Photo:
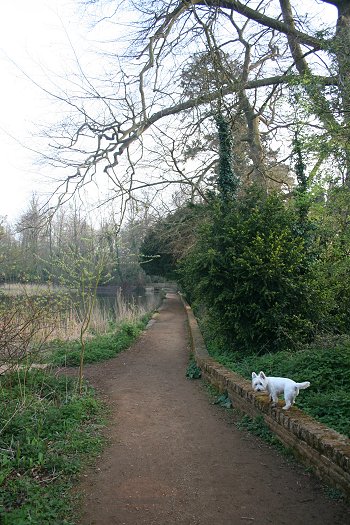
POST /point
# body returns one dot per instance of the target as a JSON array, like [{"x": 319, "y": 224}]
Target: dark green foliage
[
  {"x": 227, "y": 180},
  {"x": 169, "y": 238},
  {"x": 48, "y": 432},
  {"x": 249, "y": 268},
  {"x": 302, "y": 202},
  {"x": 327, "y": 369},
  {"x": 331, "y": 268},
  {"x": 223, "y": 400},
  {"x": 299, "y": 164},
  {"x": 156, "y": 255},
  {"x": 97, "y": 348},
  {"x": 193, "y": 371}
]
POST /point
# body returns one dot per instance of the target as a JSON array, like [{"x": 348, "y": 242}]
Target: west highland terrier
[{"x": 278, "y": 385}]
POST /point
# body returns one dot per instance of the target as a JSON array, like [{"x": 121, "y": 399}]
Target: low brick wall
[{"x": 317, "y": 446}]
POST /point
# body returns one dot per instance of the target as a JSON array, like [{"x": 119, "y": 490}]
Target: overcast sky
[{"x": 35, "y": 40}]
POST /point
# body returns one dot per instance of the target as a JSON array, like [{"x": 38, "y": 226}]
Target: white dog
[{"x": 278, "y": 385}]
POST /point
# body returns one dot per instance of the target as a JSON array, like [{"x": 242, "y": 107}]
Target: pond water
[{"x": 112, "y": 299}]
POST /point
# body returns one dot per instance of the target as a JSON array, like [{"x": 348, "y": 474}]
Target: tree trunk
[
  {"x": 342, "y": 50},
  {"x": 256, "y": 150}
]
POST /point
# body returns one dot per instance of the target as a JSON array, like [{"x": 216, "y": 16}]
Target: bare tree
[{"x": 137, "y": 126}]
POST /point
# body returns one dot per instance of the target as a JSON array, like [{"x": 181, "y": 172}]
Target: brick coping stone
[{"x": 326, "y": 451}]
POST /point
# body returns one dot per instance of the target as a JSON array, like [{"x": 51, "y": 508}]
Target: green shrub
[
  {"x": 331, "y": 266},
  {"x": 250, "y": 269},
  {"x": 193, "y": 371}
]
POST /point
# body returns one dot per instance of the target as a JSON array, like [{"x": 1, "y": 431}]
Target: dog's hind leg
[{"x": 289, "y": 399}]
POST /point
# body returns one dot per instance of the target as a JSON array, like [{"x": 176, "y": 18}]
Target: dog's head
[{"x": 259, "y": 382}]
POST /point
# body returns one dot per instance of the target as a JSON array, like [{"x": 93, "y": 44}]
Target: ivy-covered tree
[{"x": 227, "y": 179}]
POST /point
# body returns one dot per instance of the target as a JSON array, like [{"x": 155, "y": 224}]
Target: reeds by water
[{"x": 61, "y": 316}]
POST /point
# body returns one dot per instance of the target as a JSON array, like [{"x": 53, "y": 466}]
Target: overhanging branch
[
  {"x": 205, "y": 99},
  {"x": 266, "y": 21}
]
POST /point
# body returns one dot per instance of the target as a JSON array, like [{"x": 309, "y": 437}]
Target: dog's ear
[
  {"x": 262, "y": 375},
  {"x": 254, "y": 375}
]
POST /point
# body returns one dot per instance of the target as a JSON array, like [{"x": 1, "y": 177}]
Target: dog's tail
[{"x": 304, "y": 385}]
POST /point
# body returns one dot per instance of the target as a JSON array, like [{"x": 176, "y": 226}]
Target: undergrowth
[
  {"x": 48, "y": 432},
  {"x": 99, "y": 347},
  {"x": 193, "y": 371},
  {"x": 327, "y": 369}
]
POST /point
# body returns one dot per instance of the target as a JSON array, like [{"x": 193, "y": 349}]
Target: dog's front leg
[{"x": 273, "y": 398}]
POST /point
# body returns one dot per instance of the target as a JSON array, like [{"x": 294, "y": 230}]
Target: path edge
[{"x": 326, "y": 451}]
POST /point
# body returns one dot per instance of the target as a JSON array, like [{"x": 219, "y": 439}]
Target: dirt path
[{"x": 174, "y": 458}]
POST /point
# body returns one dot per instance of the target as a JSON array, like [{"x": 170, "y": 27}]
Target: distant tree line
[{"x": 40, "y": 248}]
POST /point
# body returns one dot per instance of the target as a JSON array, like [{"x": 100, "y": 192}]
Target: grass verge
[
  {"x": 99, "y": 347},
  {"x": 48, "y": 433}
]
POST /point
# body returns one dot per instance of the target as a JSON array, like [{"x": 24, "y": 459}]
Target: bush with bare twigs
[{"x": 26, "y": 322}]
